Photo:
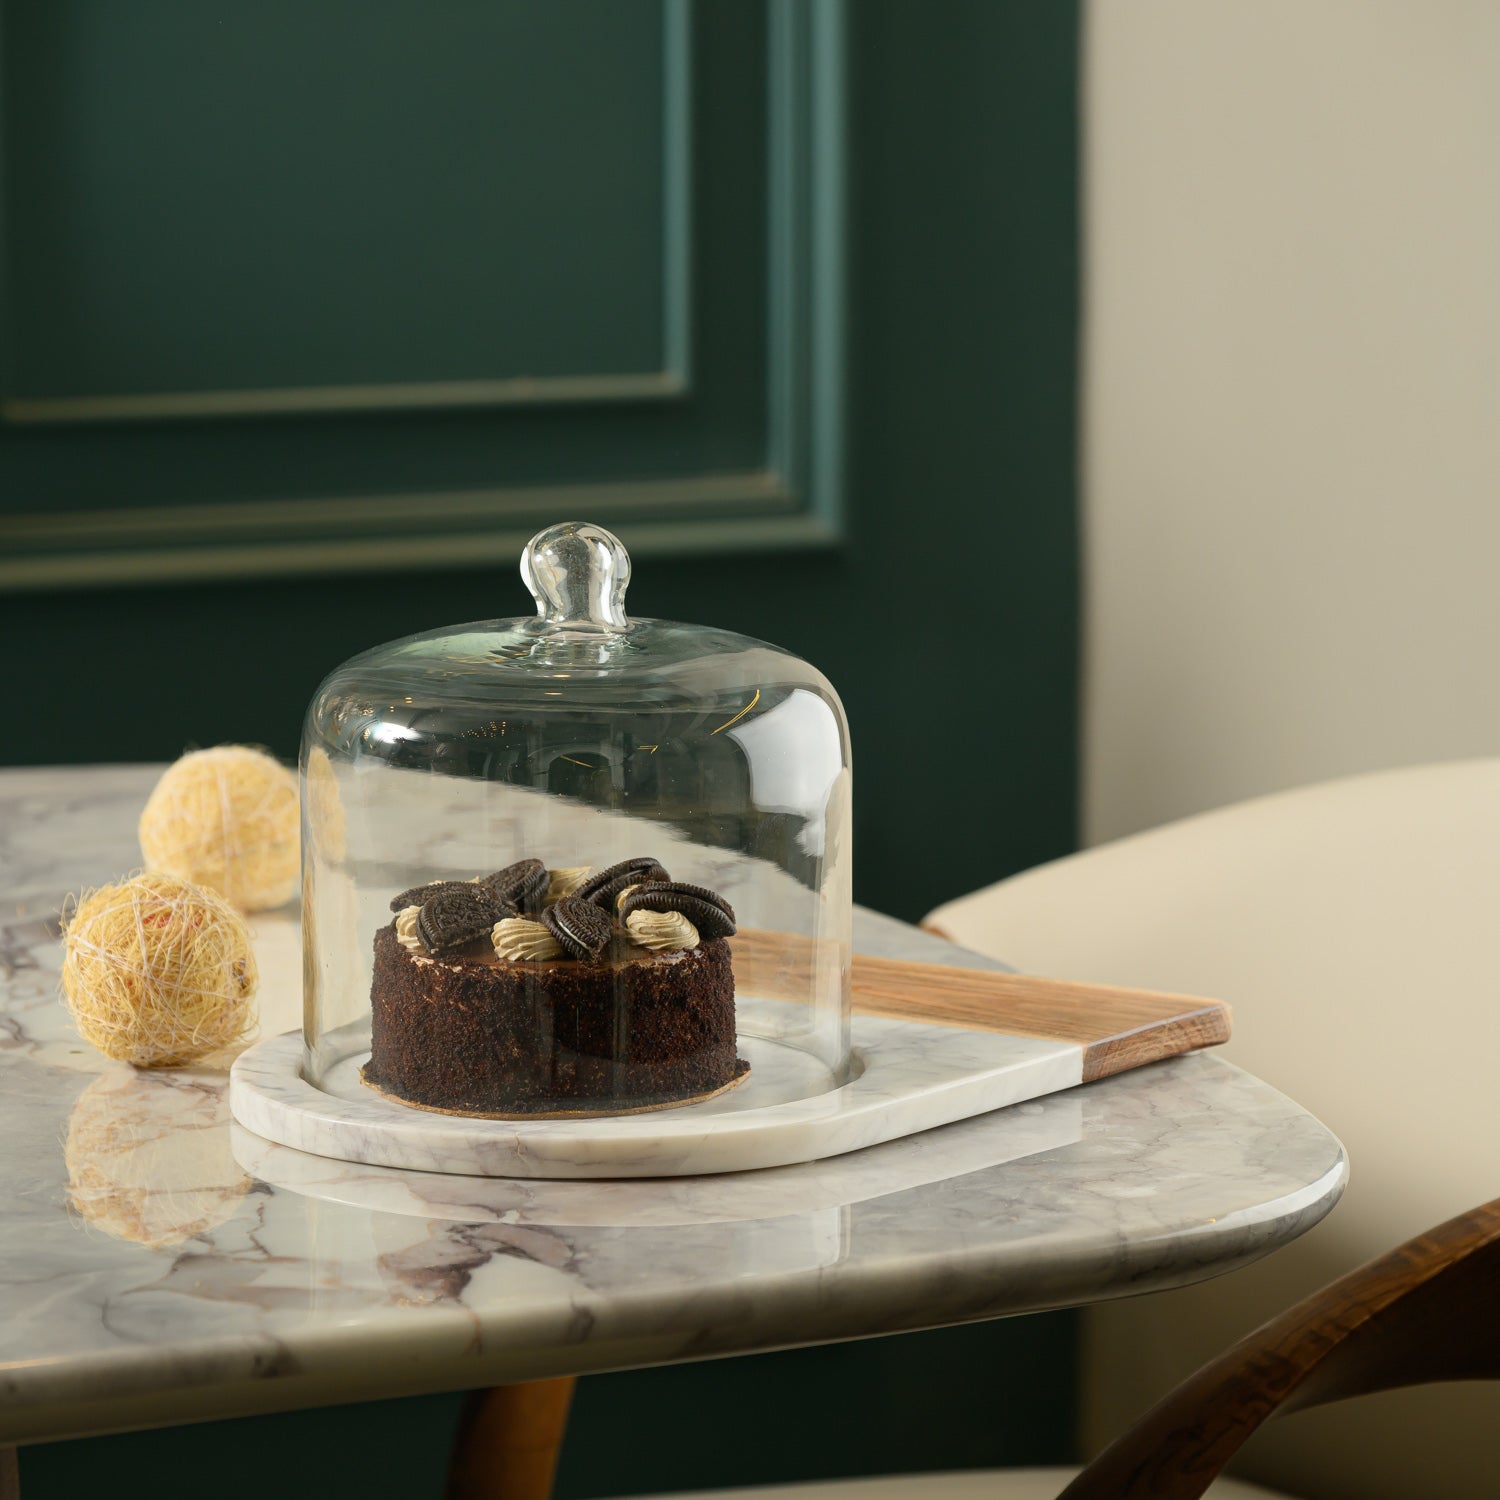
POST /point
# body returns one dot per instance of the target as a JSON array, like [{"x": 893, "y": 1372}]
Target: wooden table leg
[
  {"x": 508, "y": 1442},
  {"x": 10, "y": 1475}
]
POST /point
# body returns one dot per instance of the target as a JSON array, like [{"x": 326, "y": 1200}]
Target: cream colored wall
[{"x": 1292, "y": 395}]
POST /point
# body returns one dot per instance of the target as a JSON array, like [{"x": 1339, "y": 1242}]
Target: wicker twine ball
[
  {"x": 158, "y": 972},
  {"x": 226, "y": 818}
]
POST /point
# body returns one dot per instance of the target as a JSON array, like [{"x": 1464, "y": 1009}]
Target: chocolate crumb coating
[{"x": 477, "y": 1034}]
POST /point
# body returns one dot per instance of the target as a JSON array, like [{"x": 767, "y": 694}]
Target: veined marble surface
[{"x": 156, "y": 1265}]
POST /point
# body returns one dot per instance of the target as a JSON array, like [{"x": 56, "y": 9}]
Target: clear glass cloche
[{"x": 576, "y": 863}]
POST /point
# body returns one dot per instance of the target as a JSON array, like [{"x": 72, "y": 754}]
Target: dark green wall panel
[
  {"x": 177, "y": 171},
  {"x": 316, "y": 289},
  {"x": 865, "y": 1408},
  {"x": 947, "y": 619}
]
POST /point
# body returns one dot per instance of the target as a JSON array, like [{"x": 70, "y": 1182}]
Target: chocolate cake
[{"x": 596, "y": 1002}]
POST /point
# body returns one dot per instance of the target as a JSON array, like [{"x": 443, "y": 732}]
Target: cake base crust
[
  {"x": 635, "y": 1107},
  {"x": 486, "y": 1038}
]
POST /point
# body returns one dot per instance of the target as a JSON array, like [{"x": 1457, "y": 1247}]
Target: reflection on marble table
[{"x": 157, "y": 1266}]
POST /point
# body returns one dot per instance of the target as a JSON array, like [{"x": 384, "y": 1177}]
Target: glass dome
[{"x": 576, "y": 864}]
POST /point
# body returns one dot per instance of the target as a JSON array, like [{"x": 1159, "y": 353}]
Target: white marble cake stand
[{"x": 905, "y": 1077}]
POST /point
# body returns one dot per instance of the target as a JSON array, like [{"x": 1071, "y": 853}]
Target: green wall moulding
[{"x": 367, "y": 286}]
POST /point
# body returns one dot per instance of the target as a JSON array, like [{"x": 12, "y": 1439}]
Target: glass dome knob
[{"x": 577, "y": 573}]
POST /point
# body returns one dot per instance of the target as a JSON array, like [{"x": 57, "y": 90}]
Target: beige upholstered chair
[
  {"x": 1355, "y": 927},
  {"x": 984, "y": 1484},
  {"x": 1006, "y": 1484}
]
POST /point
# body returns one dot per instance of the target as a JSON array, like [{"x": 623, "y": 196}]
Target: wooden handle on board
[{"x": 1117, "y": 1028}]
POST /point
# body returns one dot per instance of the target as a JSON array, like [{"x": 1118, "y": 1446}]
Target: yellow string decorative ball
[
  {"x": 158, "y": 972},
  {"x": 226, "y": 818}
]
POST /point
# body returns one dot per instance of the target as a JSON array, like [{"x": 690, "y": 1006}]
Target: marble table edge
[{"x": 245, "y": 1375}]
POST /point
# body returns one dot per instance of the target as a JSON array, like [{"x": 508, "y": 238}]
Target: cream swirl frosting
[
  {"x": 406, "y": 930},
  {"x": 517, "y": 938},
  {"x": 562, "y": 883},
  {"x": 661, "y": 931}
]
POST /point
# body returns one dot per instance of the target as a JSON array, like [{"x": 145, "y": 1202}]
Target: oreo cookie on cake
[{"x": 708, "y": 911}]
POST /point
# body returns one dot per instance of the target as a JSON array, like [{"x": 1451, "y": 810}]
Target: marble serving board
[
  {"x": 773, "y": 1196},
  {"x": 931, "y": 1044}
]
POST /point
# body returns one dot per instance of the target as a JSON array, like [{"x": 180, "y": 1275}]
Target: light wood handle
[{"x": 1117, "y": 1028}]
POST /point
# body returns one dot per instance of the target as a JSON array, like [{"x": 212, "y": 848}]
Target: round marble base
[{"x": 905, "y": 1077}]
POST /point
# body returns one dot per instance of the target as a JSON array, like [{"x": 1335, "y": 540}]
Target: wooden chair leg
[
  {"x": 10, "y": 1475},
  {"x": 508, "y": 1442}
]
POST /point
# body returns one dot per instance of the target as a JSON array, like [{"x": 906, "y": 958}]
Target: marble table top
[{"x": 158, "y": 1264}]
